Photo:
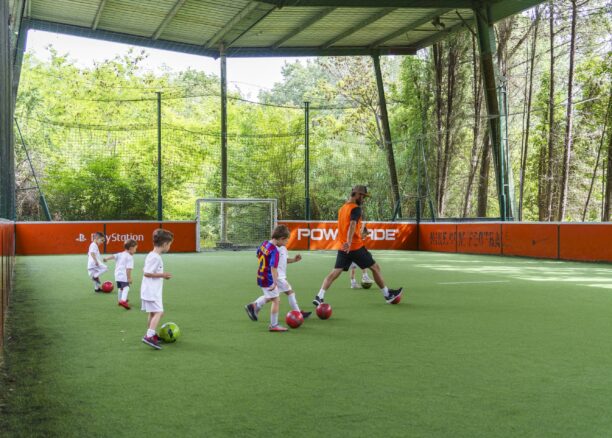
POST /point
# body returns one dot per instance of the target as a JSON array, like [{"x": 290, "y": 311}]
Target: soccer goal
[{"x": 227, "y": 223}]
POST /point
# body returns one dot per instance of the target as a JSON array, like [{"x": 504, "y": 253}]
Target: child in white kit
[
  {"x": 153, "y": 283},
  {"x": 283, "y": 284},
  {"x": 124, "y": 264},
  {"x": 95, "y": 267}
]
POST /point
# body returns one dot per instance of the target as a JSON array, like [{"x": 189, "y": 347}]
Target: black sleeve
[{"x": 355, "y": 213}]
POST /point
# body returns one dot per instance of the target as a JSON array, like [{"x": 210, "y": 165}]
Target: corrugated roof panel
[
  {"x": 277, "y": 25},
  {"x": 77, "y": 12},
  {"x": 383, "y": 27},
  {"x": 259, "y": 25},
  {"x": 131, "y": 16},
  {"x": 409, "y": 38},
  {"x": 197, "y": 22},
  {"x": 331, "y": 26}
]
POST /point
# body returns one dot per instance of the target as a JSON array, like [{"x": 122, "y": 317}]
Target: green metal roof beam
[
  {"x": 440, "y": 35},
  {"x": 324, "y": 13},
  {"x": 258, "y": 17},
  {"x": 117, "y": 37},
  {"x": 231, "y": 24},
  {"x": 96, "y": 21},
  {"x": 253, "y": 52},
  {"x": 409, "y": 27},
  {"x": 358, "y": 27},
  {"x": 168, "y": 18},
  {"x": 454, "y": 4},
  {"x": 499, "y": 8}
]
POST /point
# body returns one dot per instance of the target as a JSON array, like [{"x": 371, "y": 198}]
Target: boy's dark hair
[
  {"x": 130, "y": 243},
  {"x": 161, "y": 236},
  {"x": 98, "y": 234},
  {"x": 280, "y": 232}
]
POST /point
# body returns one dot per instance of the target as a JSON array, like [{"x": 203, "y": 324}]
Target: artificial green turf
[{"x": 479, "y": 346}]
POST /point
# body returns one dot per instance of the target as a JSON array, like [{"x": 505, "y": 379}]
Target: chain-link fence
[{"x": 111, "y": 170}]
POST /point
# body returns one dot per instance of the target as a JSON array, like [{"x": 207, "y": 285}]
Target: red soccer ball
[
  {"x": 294, "y": 319},
  {"x": 324, "y": 311},
  {"x": 107, "y": 287},
  {"x": 397, "y": 300}
]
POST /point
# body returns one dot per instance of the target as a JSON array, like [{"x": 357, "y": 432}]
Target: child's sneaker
[
  {"x": 250, "y": 310},
  {"x": 317, "y": 301},
  {"x": 305, "y": 314},
  {"x": 355, "y": 285},
  {"x": 393, "y": 294},
  {"x": 278, "y": 328},
  {"x": 124, "y": 304},
  {"x": 366, "y": 279},
  {"x": 98, "y": 290},
  {"x": 152, "y": 341}
]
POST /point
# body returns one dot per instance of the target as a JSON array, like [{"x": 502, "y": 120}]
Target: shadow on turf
[{"x": 23, "y": 401}]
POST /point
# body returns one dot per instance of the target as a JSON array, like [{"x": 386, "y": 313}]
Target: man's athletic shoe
[
  {"x": 98, "y": 290},
  {"x": 355, "y": 285},
  {"x": 278, "y": 328},
  {"x": 250, "y": 310},
  {"x": 317, "y": 301},
  {"x": 152, "y": 341},
  {"x": 305, "y": 314},
  {"x": 124, "y": 304},
  {"x": 393, "y": 294}
]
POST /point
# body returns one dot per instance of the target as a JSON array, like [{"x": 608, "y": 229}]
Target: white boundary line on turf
[{"x": 476, "y": 282}]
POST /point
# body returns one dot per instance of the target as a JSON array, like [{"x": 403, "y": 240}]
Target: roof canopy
[{"x": 266, "y": 27}]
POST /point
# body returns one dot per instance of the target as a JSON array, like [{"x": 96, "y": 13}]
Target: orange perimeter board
[
  {"x": 322, "y": 235},
  {"x": 585, "y": 242},
  {"x": 481, "y": 238},
  {"x": 538, "y": 240},
  {"x": 74, "y": 237}
]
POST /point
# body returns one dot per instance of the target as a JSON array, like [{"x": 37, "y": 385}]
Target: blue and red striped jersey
[{"x": 268, "y": 257}]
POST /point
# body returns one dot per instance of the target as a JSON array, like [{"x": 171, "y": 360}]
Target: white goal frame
[{"x": 271, "y": 201}]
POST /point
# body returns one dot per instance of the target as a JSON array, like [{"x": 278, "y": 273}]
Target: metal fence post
[
  {"x": 159, "y": 160},
  {"x": 307, "y": 158}
]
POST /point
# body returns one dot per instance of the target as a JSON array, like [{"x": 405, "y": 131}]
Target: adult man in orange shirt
[{"x": 351, "y": 247}]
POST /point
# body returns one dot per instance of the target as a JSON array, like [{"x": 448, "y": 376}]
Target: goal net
[{"x": 226, "y": 223}]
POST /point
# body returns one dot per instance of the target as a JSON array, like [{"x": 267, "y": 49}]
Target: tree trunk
[
  {"x": 437, "y": 57},
  {"x": 551, "y": 117},
  {"x": 542, "y": 197},
  {"x": 525, "y": 150},
  {"x": 608, "y": 190},
  {"x": 453, "y": 54},
  {"x": 483, "y": 182},
  {"x": 569, "y": 139},
  {"x": 477, "y": 92},
  {"x": 601, "y": 142}
]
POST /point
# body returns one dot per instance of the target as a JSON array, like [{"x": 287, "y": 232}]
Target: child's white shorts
[
  {"x": 96, "y": 271},
  {"x": 283, "y": 285},
  {"x": 152, "y": 306},
  {"x": 270, "y": 293}
]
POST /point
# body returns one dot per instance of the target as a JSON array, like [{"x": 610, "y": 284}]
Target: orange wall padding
[
  {"x": 440, "y": 237},
  {"x": 485, "y": 238},
  {"x": 585, "y": 242},
  {"x": 537, "y": 240},
  {"x": 39, "y": 238},
  {"x": 322, "y": 235}
]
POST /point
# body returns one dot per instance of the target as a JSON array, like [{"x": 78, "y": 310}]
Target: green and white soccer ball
[{"x": 169, "y": 332}]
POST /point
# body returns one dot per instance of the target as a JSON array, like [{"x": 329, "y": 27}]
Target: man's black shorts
[{"x": 361, "y": 257}]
